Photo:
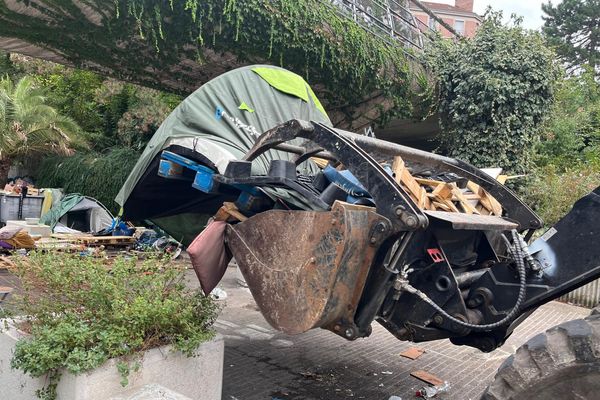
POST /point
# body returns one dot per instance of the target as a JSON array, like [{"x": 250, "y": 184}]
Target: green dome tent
[
  {"x": 217, "y": 123},
  {"x": 78, "y": 213}
]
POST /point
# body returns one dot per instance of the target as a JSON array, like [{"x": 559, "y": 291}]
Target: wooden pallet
[
  {"x": 96, "y": 240},
  {"x": 435, "y": 195}
]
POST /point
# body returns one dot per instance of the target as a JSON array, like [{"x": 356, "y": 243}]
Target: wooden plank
[
  {"x": 427, "y": 377},
  {"x": 469, "y": 209},
  {"x": 404, "y": 178},
  {"x": 428, "y": 182},
  {"x": 234, "y": 212},
  {"x": 411, "y": 184},
  {"x": 490, "y": 203},
  {"x": 451, "y": 206},
  {"x": 424, "y": 202},
  {"x": 106, "y": 238},
  {"x": 443, "y": 191},
  {"x": 227, "y": 211},
  {"x": 496, "y": 206},
  {"x": 413, "y": 353},
  {"x": 397, "y": 168},
  {"x": 486, "y": 200},
  {"x": 442, "y": 206}
]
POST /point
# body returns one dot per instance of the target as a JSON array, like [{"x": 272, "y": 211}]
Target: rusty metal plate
[{"x": 307, "y": 269}]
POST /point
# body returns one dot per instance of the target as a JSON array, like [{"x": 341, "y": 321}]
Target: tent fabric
[
  {"x": 96, "y": 219},
  {"x": 284, "y": 81},
  {"x": 211, "y": 114},
  {"x": 210, "y": 128},
  {"x": 290, "y": 83},
  {"x": 52, "y": 217}
]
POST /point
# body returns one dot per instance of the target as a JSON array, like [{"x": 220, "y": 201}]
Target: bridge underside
[
  {"x": 108, "y": 38},
  {"x": 80, "y": 35}
]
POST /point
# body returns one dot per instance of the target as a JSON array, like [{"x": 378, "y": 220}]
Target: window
[
  {"x": 432, "y": 24},
  {"x": 459, "y": 26}
]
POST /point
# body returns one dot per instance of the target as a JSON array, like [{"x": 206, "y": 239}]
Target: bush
[
  {"x": 572, "y": 134},
  {"x": 96, "y": 175},
  {"x": 82, "y": 311},
  {"x": 551, "y": 193},
  {"x": 495, "y": 91}
]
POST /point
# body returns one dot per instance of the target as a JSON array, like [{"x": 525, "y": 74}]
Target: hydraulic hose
[{"x": 519, "y": 257}]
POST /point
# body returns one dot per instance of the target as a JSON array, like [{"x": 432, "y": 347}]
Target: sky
[{"x": 530, "y": 10}]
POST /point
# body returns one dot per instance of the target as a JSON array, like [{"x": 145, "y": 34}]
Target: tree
[
  {"x": 29, "y": 127},
  {"x": 573, "y": 26},
  {"x": 571, "y": 136},
  {"x": 495, "y": 91}
]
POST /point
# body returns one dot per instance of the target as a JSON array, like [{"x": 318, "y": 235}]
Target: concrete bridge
[{"x": 149, "y": 42}]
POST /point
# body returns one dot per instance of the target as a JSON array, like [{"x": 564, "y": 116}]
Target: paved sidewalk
[{"x": 263, "y": 364}]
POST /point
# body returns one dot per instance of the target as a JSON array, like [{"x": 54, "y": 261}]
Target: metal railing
[{"x": 391, "y": 20}]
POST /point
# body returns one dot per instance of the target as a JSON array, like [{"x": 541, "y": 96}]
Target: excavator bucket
[{"x": 307, "y": 269}]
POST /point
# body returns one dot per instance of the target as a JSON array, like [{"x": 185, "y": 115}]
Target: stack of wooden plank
[
  {"x": 435, "y": 195},
  {"x": 68, "y": 241}
]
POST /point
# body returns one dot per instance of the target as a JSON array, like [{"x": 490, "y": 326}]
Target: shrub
[
  {"x": 495, "y": 91},
  {"x": 96, "y": 175},
  {"x": 82, "y": 311},
  {"x": 552, "y": 193},
  {"x": 572, "y": 133}
]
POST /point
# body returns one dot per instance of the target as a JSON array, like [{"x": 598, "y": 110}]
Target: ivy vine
[
  {"x": 145, "y": 40},
  {"x": 495, "y": 92}
]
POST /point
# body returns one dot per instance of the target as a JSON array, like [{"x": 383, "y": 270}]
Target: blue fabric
[{"x": 345, "y": 181}]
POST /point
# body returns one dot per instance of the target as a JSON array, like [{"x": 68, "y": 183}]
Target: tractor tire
[{"x": 561, "y": 363}]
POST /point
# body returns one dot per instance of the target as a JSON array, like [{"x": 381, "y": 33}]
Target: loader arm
[{"x": 422, "y": 274}]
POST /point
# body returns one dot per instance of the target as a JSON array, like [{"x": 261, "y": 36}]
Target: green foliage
[
  {"x": 29, "y": 127},
  {"x": 552, "y": 191},
  {"x": 153, "y": 42},
  {"x": 147, "y": 111},
  {"x": 495, "y": 90},
  {"x": 572, "y": 27},
  {"x": 572, "y": 133},
  {"x": 7, "y": 67},
  {"x": 81, "y": 311},
  {"x": 92, "y": 174},
  {"x": 72, "y": 92},
  {"x": 98, "y": 104}
]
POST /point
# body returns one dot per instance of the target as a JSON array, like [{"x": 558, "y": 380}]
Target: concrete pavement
[{"x": 263, "y": 364}]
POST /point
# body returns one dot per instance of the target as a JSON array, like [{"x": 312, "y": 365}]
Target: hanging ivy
[{"x": 142, "y": 40}]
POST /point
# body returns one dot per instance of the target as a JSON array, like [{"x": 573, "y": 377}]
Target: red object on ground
[{"x": 210, "y": 256}]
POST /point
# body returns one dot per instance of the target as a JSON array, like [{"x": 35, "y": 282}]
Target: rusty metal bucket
[{"x": 307, "y": 269}]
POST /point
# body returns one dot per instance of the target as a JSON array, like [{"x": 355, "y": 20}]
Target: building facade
[{"x": 459, "y": 16}]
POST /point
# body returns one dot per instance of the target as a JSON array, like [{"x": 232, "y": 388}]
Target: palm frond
[{"x": 30, "y": 126}]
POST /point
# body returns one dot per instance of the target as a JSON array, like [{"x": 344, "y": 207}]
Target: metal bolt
[
  {"x": 349, "y": 333},
  {"x": 410, "y": 221},
  {"x": 438, "y": 320},
  {"x": 373, "y": 240}
]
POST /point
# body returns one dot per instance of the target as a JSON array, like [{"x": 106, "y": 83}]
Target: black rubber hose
[{"x": 519, "y": 260}]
